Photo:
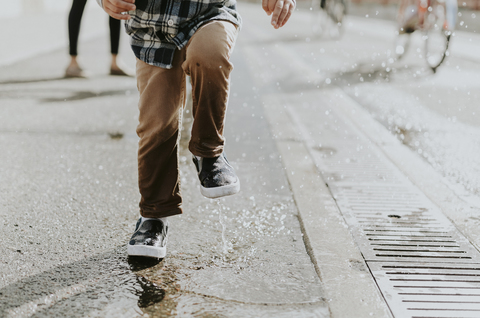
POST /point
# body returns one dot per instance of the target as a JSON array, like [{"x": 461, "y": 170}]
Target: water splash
[{"x": 227, "y": 246}]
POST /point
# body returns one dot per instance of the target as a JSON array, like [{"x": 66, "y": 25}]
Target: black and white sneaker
[
  {"x": 149, "y": 238},
  {"x": 217, "y": 177}
]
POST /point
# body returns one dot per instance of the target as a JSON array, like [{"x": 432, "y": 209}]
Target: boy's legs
[{"x": 162, "y": 95}]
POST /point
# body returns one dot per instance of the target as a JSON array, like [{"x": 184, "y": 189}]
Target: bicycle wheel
[{"x": 436, "y": 34}]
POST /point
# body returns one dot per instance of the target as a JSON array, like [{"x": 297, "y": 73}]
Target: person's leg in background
[
  {"x": 115, "y": 26},
  {"x": 74, "y": 21}
]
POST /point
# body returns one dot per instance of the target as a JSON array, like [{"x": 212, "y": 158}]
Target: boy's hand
[
  {"x": 117, "y": 8},
  {"x": 281, "y": 9}
]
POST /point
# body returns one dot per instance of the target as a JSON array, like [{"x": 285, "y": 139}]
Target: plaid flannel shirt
[{"x": 159, "y": 27}]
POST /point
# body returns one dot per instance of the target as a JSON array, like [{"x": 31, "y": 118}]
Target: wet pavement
[
  {"x": 68, "y": 177},
  {"x": 69, "y": 201}
]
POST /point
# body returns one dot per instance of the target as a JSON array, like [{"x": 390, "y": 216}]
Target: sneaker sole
[
  {"x": 219, "y": 192},
  {"x": 146, "y": 251}
]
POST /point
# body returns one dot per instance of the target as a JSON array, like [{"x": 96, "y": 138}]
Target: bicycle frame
[
  {"x": 436, "y": 19},
  {"x": 422, "y": 7}
]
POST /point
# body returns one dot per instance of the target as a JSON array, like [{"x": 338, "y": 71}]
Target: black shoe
[
  {"x": 217, "y": 177},
  {"x": 149, "y": 239}
]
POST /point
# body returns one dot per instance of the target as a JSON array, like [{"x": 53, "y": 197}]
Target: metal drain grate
[
  {"x": 422, "y": 264},
  {"x": 429, "y": 289},
  {"x": 397, "y": 223}
]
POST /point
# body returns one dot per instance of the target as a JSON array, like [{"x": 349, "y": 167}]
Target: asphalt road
[
  {"x": 68, "y": 174},
  {"x": 69, "y": 205}
]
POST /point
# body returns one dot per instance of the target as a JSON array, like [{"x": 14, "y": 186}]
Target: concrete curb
[{"x": 350, "y": 289}]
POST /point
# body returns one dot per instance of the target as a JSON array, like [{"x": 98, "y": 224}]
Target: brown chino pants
[{"x": 162, "y": 98}]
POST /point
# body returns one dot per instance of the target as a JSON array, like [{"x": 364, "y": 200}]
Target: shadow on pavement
[
  {"x": 138, "y": 263},
  {"x": 364, "y": 72},
  {"x": 43, "y": 80},
  {"x": 368, "y": 73},
  {"x": 65, "y": 95},
  {"x": 29, "y": 81},
  {"x": 81, "y": 95},
  {"x": 107, "y": 282}
]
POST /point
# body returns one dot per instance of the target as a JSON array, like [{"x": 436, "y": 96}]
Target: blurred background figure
[{"x": 74, "y": 21}]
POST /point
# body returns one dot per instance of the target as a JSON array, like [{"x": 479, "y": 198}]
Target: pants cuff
[
  {"x": 205, "y": 153},
  {"x": 161, "y": 214}
]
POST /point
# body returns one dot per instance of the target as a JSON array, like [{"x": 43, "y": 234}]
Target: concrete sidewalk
[{"x": 382, "y": 190}]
